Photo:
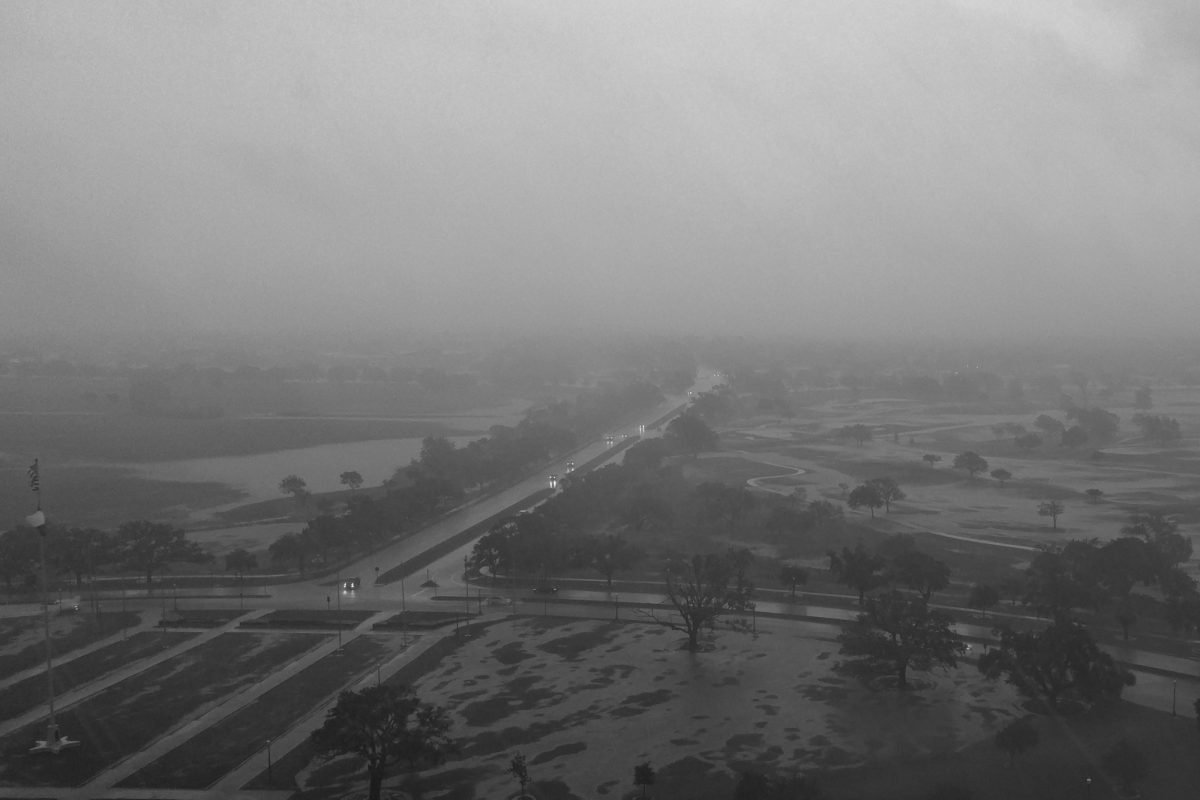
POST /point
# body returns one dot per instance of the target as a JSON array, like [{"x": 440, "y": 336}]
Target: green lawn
[
  {"x": 23, "y": 695},
  {"x": 125, "y": 717},
  {"x": 215, "y": 751}
]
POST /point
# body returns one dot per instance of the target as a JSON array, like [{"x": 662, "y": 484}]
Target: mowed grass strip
[
  {"x": 213, "y": 752},
  {"x": 125, "y": 717},
  {"x": 287, "y": 765},
  {"x": 24, "y": 695},
  {"x": 67, "y": 634}
]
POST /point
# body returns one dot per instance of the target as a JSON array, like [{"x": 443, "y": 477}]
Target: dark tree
[
  {"x": 1059, "y": 661},
  {"x": 751, "y": 786},
  {"x": 297, "y": 487},
  {"x": 80, "y": 550},
  {"x": 702, "y": 590},
  {"x": 1030, "y": 441},
  {"x": 983, "y": 597},
  {"x": 1016, "y": 737},
  {"x": 297, "y": 547},
  {"x": 793, "y": 576},
  {"x": 931, "y": 458},
  {"x": 1097, "y": 423},
  {"x": 240, "y": 560},
  {"x": 152, "y": 546},
  {"x": 889, "y": 491},
  {"x": 897, "y": 633},
  {"x": 1159, "y": 429},
  {"x": 609, "y": 553},
  {"x": 1048, "y": 425},
  {"x": 859, "y": 569},
  {"x": 1061, "y": 579},
  {"x": 859, "y": 433},
  {"x": 1127, "y": 763},
  {"x": 519, "y": 769},
  {"x": 1094, "y": 495},
  {"x": 919, "y": 572},
  {"x": 971, "y": 462},
  {"x": 689, "y": 434},
  {"x": 384, "y": 725},
  {"x": 1170, "y": 548},
  {"x": 865, "y": 495},
  {"x": 1074, "y": 436},
  {"x": 643, "y": 776},
  {"x": 1001, "y": 475},
  {"x": 352, "y": 479},
  {"x": 1052, "y": 509}
]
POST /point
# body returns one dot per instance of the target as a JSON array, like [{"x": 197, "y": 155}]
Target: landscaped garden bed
[
  {"x": 23, "y": 695},
  {"x": 125, "y": 717},
  {"x": 217, "y": 750},
  {"x": 25, "y": 647},
  {"x": 202, "y": 617},
  {"x": 304, "y": 618},
  {"x": 417, "y": 620},
  {"x": 288, "y": 765}
]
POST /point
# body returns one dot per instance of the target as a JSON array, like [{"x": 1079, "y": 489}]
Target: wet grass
[
  {"x": 217, "y": 750},
  {"x": 124, "y": 718},
  {"x": 24, "y": 695},
  {"x": 68, "y": 633}
]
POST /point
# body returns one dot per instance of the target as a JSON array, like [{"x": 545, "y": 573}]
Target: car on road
[{"x": 548, "y": 589}]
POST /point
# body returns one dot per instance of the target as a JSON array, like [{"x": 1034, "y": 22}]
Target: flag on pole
[{"x": 35, "y": 483}]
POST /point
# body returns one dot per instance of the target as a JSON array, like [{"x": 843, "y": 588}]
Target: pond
[{"x": 321, "y": 466}]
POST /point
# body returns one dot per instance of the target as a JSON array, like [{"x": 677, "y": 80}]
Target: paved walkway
[
  {"x": 104, "y": 784},
  {"x": 80, "y": 693}
]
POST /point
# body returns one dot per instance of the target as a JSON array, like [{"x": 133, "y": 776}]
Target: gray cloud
[{"x": 825, "y": 167}]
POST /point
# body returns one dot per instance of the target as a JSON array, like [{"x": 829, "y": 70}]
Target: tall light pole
[
  {"x": 53, "y": 743},
  {"x": 467, "y": 587},
  {"x": 403, "y": 602},
  {"x": 338, "y": 621}
]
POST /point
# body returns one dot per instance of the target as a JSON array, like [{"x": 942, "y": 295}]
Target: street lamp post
[
  {"x": 616, "y": 607},
  {"x": 467, "y": 587},
  {"x": 1087, "y": 787},
  {"x": 1174, "y": 686},
  {"x": 338, "y": 620},
  {"x": 270, "y": 780}
]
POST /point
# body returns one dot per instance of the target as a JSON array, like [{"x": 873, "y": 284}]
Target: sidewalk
[
  {"x": 103, "y": 784},
  {"x": 81, "y": 693}
]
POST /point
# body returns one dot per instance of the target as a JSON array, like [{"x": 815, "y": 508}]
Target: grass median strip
[
  {"x": 68, "y": 633},
  {"x": 219, "y": 749},
  {"x": 29, "y": 693},
  {"x": 127, "y": 716}
]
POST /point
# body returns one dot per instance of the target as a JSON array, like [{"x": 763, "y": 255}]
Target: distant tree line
[{"x": 444, "y": 473}]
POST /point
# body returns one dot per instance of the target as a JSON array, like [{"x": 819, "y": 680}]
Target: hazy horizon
[{"x": 953, "y": 168}]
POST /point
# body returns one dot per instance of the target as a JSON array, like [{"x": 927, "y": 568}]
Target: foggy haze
[{"x": 866, "y": 168}]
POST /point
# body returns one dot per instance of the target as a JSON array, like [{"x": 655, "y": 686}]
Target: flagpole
[
  {"x": 54, "y": 743},
  {"x": 51, "y": 724}
]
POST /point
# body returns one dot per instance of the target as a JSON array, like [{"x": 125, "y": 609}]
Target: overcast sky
[{"x": 826, "y": 166}]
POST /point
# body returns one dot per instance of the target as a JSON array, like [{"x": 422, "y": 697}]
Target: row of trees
[
  {"x": 443, "y": 473},
  {"x": 899, "y": 630},
  {"x": 1098, "y": 576},
  {"x": 1083, "y": 425},
  {"x": 138, "y": 546}
]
